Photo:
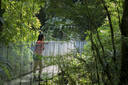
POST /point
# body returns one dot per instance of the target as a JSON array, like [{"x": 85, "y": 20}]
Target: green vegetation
[{"x": 102, "y": 23}]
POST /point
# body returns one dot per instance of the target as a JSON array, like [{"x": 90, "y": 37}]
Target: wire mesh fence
[{"x": 57, "y": 57}]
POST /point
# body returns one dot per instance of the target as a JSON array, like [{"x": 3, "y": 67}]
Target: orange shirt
[{"x": 39, "y": 47}]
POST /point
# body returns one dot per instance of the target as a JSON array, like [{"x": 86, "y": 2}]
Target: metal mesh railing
[{"x": 57, "y": 57}]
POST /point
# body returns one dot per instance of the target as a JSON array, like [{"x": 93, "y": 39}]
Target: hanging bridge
[{"x": 54, "y": 56}]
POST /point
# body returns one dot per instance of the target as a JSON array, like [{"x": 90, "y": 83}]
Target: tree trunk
[
  {"x": 0, "y": 7},
  {"x": 124, "y": 56},
  {"x": 0, "y": 16},
  {"x": 111, "y": 29}
]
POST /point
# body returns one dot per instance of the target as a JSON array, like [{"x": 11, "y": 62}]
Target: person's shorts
[{"x": 37, "y": 57}]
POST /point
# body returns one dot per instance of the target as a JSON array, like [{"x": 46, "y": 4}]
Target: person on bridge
[{"x": 37, "y": 57}]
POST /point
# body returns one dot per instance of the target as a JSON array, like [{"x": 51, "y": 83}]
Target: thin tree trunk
[
  {"x": 105, "y": 69},
  {"x": 98, "y": 37},
  {"x": 124, "y": 56},
  {"x": 0, "y": 14},
  {"x": 111, "y": 28},
  {"x": 97, "y": 70},
  {"x": 0, "y": 4}
]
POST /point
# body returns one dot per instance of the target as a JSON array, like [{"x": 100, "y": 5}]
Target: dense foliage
[
  {"x": 102, "y": 23},
  {"x": 19, "y": 27},
  {"x": 19, "y": 20}
]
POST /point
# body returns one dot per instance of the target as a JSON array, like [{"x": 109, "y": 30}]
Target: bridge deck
[{"x": 47, "y": 72}]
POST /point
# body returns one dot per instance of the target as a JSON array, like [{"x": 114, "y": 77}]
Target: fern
[{"x": 5, "y": 69}]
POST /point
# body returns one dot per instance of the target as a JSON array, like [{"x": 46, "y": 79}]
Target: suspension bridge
[{"x": 20, "y": 58}]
